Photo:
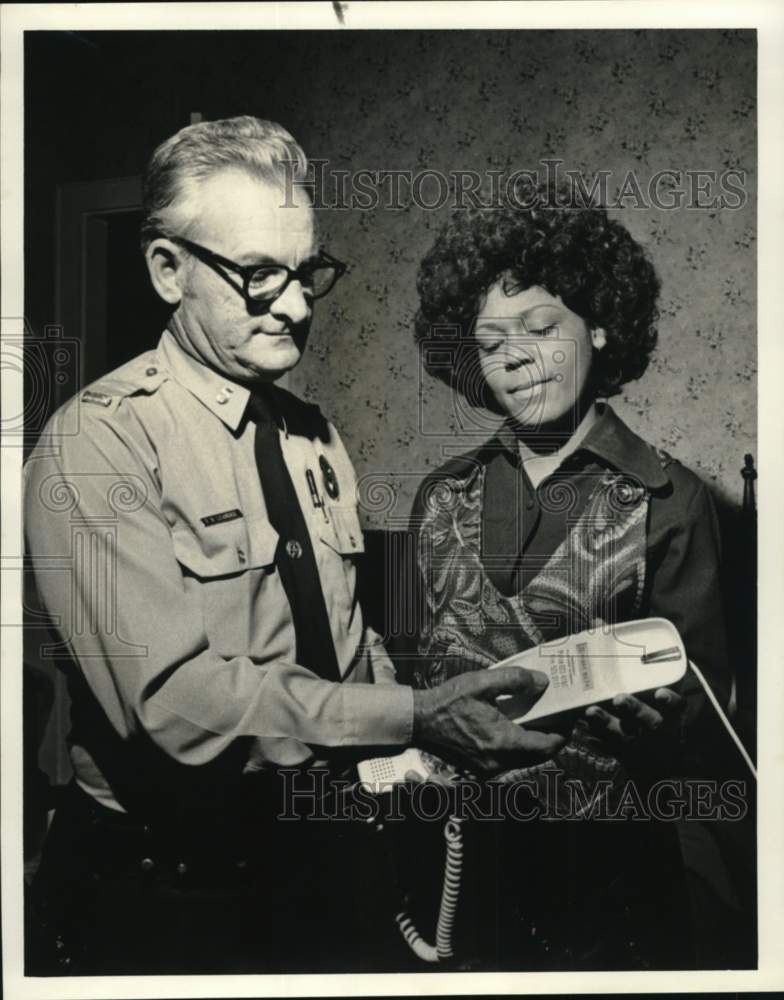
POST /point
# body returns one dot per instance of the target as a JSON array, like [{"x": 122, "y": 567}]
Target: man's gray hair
[{"x": 262, "y": 148}]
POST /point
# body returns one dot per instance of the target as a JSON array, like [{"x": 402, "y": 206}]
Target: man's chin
[{"x": 273, "y": 366}]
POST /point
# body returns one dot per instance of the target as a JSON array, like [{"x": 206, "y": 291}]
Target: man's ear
[
  {"x": 167, "y": 268},
  {"x": 598, "y": 338}
]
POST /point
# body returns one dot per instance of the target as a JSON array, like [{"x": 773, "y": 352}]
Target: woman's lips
[{"x": 529, "y": 385}]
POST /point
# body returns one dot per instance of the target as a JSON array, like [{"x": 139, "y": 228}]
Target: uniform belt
[{"x": 207, "y": 843}]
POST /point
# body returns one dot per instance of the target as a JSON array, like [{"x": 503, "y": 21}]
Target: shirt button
[
  {"x": 151, "y": 371},
  {"x": 241, "y": 555},
  {"x": 530, "y": 505},
  {"x": 220, "y": 398},
  {"x": 229, "y": 389},
  {"x": 147, "y": 864}
]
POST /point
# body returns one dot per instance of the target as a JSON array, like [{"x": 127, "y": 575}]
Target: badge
[
  {"x": 293, "y": 549},
  {"x": 330, "y": 479}
]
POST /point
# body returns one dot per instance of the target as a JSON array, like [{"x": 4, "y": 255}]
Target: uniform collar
[
  {"x": 610, "y": 440},
  {"x": 225, "y": 398}
]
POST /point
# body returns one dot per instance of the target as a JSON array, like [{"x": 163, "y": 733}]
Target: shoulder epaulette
[{"x": 143, "y": 374}]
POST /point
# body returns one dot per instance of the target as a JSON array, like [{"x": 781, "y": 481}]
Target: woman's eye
[
  {"x": 492, "y": 346},
  {"x": 546, "y": 331}
]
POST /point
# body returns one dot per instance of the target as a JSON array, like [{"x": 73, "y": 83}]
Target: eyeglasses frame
[{"x": 246, "y": 271}]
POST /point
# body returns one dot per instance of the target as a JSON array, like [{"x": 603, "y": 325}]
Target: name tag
[
  {"x": 96, "y": 397},
  {"x": 226, "y": 515}
]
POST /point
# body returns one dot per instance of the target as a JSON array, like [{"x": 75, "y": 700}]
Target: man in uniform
[{"x": 209, "y": 612}]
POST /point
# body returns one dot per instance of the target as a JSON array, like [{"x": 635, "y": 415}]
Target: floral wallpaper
[
  {"x": 621, "y": 102},
  {"x": 634, "y": 104}
]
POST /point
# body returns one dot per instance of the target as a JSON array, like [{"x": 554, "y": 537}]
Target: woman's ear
[
  {"x": 598, "y": 338},
  {"x": 167, "y": 270}
]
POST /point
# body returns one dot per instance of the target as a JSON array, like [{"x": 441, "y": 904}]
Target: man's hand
[
  {"x": 459, "y": 720},
  {"x": 639, "y": 733}
]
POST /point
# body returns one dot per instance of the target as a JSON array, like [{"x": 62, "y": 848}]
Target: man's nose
[{"x": 291, "y": 305}]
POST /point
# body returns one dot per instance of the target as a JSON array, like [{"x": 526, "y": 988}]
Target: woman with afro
[{"x": 565, "y": 520}]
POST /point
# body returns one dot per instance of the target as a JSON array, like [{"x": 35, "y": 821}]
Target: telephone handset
[
  {"x": 583, "y": 669},
  {"x": 380, "y": 774},
  {"x": 594, "y": 666}
]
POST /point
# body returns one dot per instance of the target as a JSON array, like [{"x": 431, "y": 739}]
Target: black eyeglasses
[{"x": 265, "y": 282}]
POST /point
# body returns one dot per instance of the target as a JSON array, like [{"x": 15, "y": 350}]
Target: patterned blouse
[{"x": 619, "y": 531}]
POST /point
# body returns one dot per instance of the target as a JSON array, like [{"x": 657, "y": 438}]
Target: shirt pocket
[
  {"x": 342, "y": 543},
  {"x": 225, "y": 549},
  {"x": 229, "y": 569},
  {"x": 344, "y": 532}
]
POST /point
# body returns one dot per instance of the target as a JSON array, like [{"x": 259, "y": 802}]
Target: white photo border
[{"x": 768, "y": 19}]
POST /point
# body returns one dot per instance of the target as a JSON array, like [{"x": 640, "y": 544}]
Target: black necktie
[{"x": 294, "y": 557}]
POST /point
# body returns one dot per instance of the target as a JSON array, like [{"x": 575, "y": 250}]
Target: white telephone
[
  {"x": 596, "y": 665},
  {"x": 381, "y": 773},
  {"x": 583, "y": 669}
]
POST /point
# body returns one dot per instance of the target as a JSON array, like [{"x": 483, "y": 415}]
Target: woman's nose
[{"x": 518, "y": 354}]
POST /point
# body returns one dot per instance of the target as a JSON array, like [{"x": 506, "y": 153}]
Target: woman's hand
[{"x": 638, "y": 733}]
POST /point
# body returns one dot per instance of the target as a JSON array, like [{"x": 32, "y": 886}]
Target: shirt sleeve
[
  {"x": 381, "y": 664},
  {"x": 107, "y": 574},
  {"x": 684, "y": 562}
]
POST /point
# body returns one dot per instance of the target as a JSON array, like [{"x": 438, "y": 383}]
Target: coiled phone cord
[{"x": 453, "y": 868}]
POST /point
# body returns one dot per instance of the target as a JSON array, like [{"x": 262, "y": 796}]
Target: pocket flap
[
  {"x": 346, "y": 536},
  {"x": 223, "y": 549},
  {"x": 263, "y": 542}
]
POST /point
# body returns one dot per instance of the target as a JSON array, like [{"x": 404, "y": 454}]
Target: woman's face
[{"x": 535, "y": 354}]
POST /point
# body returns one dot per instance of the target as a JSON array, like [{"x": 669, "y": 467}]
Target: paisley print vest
[{"x": 596, "y": 574}]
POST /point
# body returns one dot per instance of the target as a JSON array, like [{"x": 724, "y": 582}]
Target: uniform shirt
[{"x": 153, "y": 553}]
